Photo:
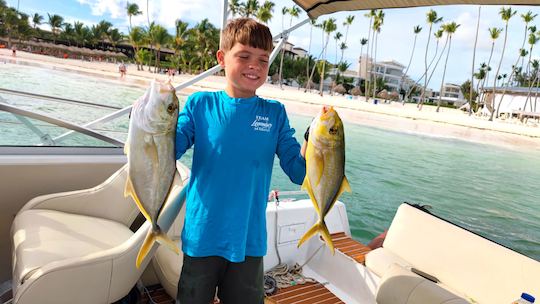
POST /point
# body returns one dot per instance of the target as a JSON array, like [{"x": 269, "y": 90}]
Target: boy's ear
[{"x": 220, "y": 55}]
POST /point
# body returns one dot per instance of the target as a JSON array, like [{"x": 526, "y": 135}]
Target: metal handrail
[
  {"x": 58, "y": 99},
  {"x": 61, "y": 123}
]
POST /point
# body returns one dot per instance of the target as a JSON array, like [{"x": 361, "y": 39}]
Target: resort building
[
  {"x": 390, "y": 71},
  {"x": 450, "y": 95},
  {"x": 293, "y": 51},
  {"x": 332, "y": 75}
]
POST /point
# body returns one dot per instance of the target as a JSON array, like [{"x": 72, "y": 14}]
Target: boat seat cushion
[
  {"x": 381, "y": 259},
  {"x": 401, "y": 286},
  {"x": 44, "y": 236}
]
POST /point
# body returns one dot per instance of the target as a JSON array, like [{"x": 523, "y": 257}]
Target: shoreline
[{"x": 448, "y": 123}]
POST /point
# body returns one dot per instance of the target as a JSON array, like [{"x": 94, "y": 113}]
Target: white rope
[{"x": 286, "y": 276}]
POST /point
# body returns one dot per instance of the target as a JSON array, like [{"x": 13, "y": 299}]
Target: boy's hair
[{"x": 248, "y": 32}]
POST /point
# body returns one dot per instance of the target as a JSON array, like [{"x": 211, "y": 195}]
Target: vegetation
[{"x": 194, "y": 46}]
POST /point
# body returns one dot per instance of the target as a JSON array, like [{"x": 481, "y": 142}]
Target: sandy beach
[{"x": 448, "y": 123}]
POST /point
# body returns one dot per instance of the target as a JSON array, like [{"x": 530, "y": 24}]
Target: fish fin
[
  {"x": 150, "y": 148},
  {"x": 307, "y": 186},
  {"x": 345, "y": 186},
  {"x": 146, "y": 246},
  {"x": 126, "y": 147},
  {"x": 311, "y": 232},
  {"x": 327, "y": 237},
  {"x": 165, "y": 240},
  {"x": 321, "y": 228},
  {"x": 129, "y": 190}
]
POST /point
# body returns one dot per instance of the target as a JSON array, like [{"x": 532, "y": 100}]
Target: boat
[{"x": 71, "y": 241}]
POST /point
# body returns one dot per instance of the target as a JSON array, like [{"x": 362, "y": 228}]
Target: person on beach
[
  {"x": 122, "y": 69},
  {"x": 14, "y": 51},
  {"x": 235, "y": 135}
]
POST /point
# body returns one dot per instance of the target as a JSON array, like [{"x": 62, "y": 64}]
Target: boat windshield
[{"x": 23, "y": 127}]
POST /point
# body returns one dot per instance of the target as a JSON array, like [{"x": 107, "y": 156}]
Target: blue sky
[{"x": 395, "y": 40}]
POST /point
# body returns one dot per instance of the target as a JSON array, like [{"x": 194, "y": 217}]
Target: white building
[
  {"x": 514, "y": 100},
  {"x": 451, "y": 94},
  {"x": 390, "y": 71}
]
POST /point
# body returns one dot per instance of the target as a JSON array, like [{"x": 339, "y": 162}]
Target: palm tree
[
  {"x": 450, "y": 29},
  {"x": 347, "y": 23},
  {"x": 265, "y": 12},
  {"x": 160, "y": 37},
  {"x": 234, "y": 7},
  {"x": 371, "y": 15},
  {"x": 377, "y": 24},
  {"x": 308, "y": 82},
  {"x": 337, "y": 37},
  {"x": 36, "y": 20},
  {"x": 138, "y": 38},
  {"x": 432, "y": 18},
  {"x": 473, "y": 60},
  {"x": 132, "y": 9},
  {"x": 329, "y": 26},
  {"x": 416, "y": 30},
  {"x": 249, "y": 8},
  {"x": 533, "y": 39},
  {"x": 55, "y": 21},
  {"x": 494, "y": 33},
  {"x": 506, "y": 14},
  {"x": 363, "y": 42},
  {"x": 294, "y": 12}
]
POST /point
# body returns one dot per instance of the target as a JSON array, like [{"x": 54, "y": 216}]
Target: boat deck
[{"x": 311, "y": 293}]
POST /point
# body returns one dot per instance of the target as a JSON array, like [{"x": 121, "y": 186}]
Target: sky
[{"x": 395, "y": 40}]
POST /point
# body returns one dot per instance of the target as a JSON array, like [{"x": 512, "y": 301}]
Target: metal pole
[{"x": 225, "y": 13}]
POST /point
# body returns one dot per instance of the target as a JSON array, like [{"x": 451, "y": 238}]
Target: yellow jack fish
[
  {"x": 151, "y": 159},
  {"x": 325, "y": 169}
]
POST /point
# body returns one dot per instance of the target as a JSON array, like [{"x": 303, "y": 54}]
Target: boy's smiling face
[{"x": 246, "y": 69}]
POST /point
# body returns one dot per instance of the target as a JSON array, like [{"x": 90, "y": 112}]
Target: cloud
[{"x": 163, "y": 12}]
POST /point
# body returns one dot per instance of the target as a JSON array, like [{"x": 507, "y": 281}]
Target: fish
[
  {"x": 325, "y": 178},
  {"x": 151, "y": 158}
]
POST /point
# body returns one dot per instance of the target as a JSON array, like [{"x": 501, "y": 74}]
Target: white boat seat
[
  {"x": 77, "y": 247},
  {"x": 46, "y": 236}
]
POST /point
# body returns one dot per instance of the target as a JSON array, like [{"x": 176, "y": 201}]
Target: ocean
[{"x": 487, "y": 189}]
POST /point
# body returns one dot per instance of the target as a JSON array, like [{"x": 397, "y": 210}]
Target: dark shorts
[{"x": 235, "y": 282}]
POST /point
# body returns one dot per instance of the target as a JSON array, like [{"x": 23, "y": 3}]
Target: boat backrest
[{"x": 480, "y": 269}]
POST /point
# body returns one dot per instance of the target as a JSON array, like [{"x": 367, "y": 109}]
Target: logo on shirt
[{"x": 261, "y": 123}]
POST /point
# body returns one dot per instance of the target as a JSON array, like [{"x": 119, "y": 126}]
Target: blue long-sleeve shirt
[{"x": 234, "y": 142}]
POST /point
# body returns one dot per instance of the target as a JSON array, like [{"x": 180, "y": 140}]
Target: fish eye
[
  {"x": 333, "y": 131},
  {"x": 170, "y": 108}
]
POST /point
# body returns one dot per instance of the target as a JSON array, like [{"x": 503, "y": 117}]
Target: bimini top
[{"x": 316, "y": 8}]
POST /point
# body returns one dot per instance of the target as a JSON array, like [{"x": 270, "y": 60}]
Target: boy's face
[{"x": 246, "y": 69}]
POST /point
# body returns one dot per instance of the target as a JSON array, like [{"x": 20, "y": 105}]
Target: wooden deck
[
  {"x": 309, "y": 293},
  {"x": 316, "y": 293},
  {"x": 354, "y": 249}
]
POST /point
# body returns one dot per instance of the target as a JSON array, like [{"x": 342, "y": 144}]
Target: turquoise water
[{"x": 489, "y": 190}]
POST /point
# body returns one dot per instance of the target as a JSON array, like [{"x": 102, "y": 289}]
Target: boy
[{"x": 235, "y": 135}]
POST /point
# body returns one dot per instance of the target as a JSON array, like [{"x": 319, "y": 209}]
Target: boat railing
[
  {"x": 23, "y": 115},
  {"x": 278, "y": 196}
]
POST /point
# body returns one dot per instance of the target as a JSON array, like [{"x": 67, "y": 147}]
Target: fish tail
[
  {"x": 149, "y": 241},
  {"x": 319, "y": 227},
  {"x": 146, "y": 246},
  {"x": 164, "y": 239}
]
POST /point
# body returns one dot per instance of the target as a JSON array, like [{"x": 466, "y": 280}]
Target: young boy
[{"x": 235, "y": 135}]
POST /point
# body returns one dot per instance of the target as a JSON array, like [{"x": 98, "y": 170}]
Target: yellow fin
[
  {"x": 321, "y": 228},
  {"x": 165, "y": 240},
  {"x": 327, "y": 238},
  {"x": 306, "y": 185},
  {"x": 345, "y": 186},
  {"x": 145, "y": 247},
  {"x": 130, "y": 191}
]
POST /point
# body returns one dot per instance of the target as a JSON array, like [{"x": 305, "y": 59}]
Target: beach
[{"x": 448, "y": 123}]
